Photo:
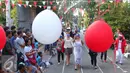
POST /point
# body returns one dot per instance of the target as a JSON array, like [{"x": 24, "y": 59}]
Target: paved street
[{"x": 108, "y": 67}]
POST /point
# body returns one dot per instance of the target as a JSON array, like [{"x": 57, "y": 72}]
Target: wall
[{"x": 25, "y": 16}]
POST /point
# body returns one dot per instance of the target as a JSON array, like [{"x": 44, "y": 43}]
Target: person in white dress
[{"x": 78, "y": 44}]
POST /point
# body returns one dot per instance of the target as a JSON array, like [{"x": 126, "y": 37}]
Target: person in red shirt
[
  {"x": 120, "y": 44},
  {"x": 60, "y": 49}
]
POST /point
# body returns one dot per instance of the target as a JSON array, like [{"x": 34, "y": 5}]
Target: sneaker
[
  {"x": 116, "y": 62},
  {"x": 95, "y": 67},
  {"x": 76, "y": 68},
  {"x": 105, "y": 61},
  {"x": 58, "y": 63},
  {"x": 121, "y": 63}
]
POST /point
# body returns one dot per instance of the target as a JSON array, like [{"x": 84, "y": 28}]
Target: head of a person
[
  {"x": 8, "y": 33},
  {"x": 28, "y": 33},
  {"x": 14, "y": 33},
  {"x": 13, "y": 27},
  {"x": 6, "y": 28},
  {"x": 77, "y": 36},
  {"x": 40, "y": 54},
  {"x": 20, "y": 33},
  {"x": 118, "y": 30},
  {"x": 21, "y": 67},
  {"x": 27, "y": 42},
  {"x": 61, "y": 37},
  {"x": 120, "y": 37}
]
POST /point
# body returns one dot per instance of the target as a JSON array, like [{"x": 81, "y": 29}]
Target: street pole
[{"x": 8, "y": 18}]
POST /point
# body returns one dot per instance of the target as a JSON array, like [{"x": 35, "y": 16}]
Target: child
[
  {"x": 59, "y": 48},
  {"x": 40, "y": 62},
  {"x": 36, "y": 47}
]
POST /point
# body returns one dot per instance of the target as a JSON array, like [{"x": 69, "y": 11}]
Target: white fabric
[
  {"x": 119, "y": 44},
  {"x": 46, "y": 27},
  {"x": 26, "y": 50},
  {"x": 119, "y": 56},
  {"x": 78, "y": 52},
  {"x": 68, "y": 43}
]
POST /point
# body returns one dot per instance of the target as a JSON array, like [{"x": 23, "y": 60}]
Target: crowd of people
[
  {"x": 30, "y": 59},
  {"x": 22, "y": 43}
]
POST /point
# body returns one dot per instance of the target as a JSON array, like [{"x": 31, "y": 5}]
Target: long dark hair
[{"x": 26, "y": 42}]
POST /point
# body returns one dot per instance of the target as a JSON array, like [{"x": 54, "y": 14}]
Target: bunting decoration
[
  {"x": 65, "y": 9},
  {"x": 20, "y": 2},
  {"x": 103, "y": 1},
  {"x": 43, "y": 2},
  {"x": 49, "y": 7},
  {"x": 13, "y": 3},
  {"x": 27, "y": 3},
  {"x": 6, "y": 1},
  {"x": 35, "y": 3},
  {"x": 44, "y": 7},
  {"x": 89, "y": 1},
  {"x": 54, "y": 8},
  {"x": 51, "y": 2},
  {"x": 73, "y": 9},
  {"x": 40, "y": 6},
  {"x": 57, "y": 3},
  {"x": 0, "y": 3},
  {"x": 30, "y": 6}
]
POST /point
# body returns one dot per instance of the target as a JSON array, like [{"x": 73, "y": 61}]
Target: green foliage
[
  {"x": 118, "y": 17},
  {"x": 14, "y": 16},
  {"x": 2, "y": 18}
]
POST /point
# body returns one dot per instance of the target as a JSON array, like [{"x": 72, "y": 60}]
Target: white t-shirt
[
  {"x": 27, "y": 49},
  {"x": 19, "y": 41},
  {"x": 119, "y": 44},
  {"x": 68, "y": 43}
]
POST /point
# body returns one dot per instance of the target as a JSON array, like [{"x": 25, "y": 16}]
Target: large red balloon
[
  {"x": 99, "y": 36},
  {"x": 2, "y": 38}
]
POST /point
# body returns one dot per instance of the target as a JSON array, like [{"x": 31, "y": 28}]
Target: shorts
[
  {"x": 68, "y": 51},
  {"x": 28, "y": 64}
]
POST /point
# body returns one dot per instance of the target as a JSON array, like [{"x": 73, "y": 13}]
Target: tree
[
  {"x": 118, "y": 17},
  {"x": 14, "y": 16}
]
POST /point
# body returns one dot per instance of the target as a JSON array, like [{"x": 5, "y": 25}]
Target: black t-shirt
[{"x": 7, "y": 50}]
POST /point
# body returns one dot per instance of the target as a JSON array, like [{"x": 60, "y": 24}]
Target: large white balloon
[{"x": 46, "y": 27}]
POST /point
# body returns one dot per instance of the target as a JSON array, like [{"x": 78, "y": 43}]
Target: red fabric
[
  {"x": 33, "y": 46},
  {"x": 2, "y": 38},
  {"x": 123, "y": 45},
  {"x": 99, "y": 36},
  {"x": 32, "y": 60},
  {"x": 63, "y": 49}
]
